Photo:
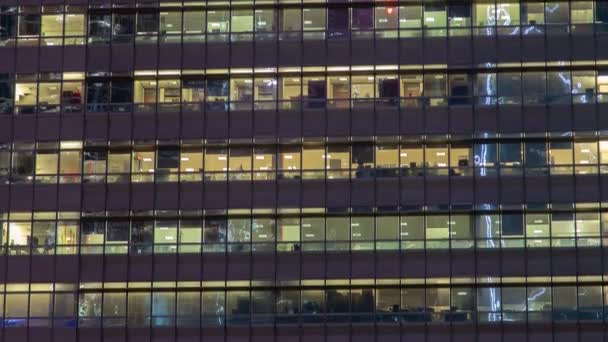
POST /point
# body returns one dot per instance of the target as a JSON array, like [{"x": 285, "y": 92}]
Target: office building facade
[{"x": 311, "y": 170}]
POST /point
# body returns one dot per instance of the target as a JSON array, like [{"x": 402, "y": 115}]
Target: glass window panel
[
  {"x": 438, "y": 301},
  {"x": 240, "y": 159},
  {"x": 241, "y": 21},
  {"x": 23, "y": 163},
  {"x": 41, "y": 308},
  {"x": 46, "y": 163},
  {"x": 412, "y": 227},
  {"x": 92, "y": 232},
  {"x": 532, "y": 14},
  {"x": 410, "y": 17},
  {"x": 536, "y": 154},
  {"x": 291, "y": 19},
  {"x": 143, "y": 161},
  {"x": 51, "y": 25},
  {"x": 337, "y": 301},
  {"x": 29, "y": 25},
  {"x": 561, "y": 153},
  {"x": 169, "y": 91},
  {"x": 590, "y": 302},
  {"x": 489, "y": 301},
  {"x": 265, "y": 20},
  {"x": 488, "y": 227},
  {"x": 387, "y": 228},
  {"x": 461, "y": 227},
  {"x": 139, "y": 309},
  {"x": 313, "y": 302},
  {"x": 114, "y": 308},
  {"x": 216, "y": 159},
  {"x": 362, "y": 228},
  {"x": 511, "y": 154},
  {"x": 514, "y": 299},
  {"x": 8, "y": 24},
  {"x": 123, "y": 26},
  {"x": 262, "y": 230},
  {"x": 587, "y": 224},
  {"x": 163, "y": 308},
  {"x": 362, "y": 87},
  {"x": 26, "y": 94},
  {"x": 64, "y": 305},
  {"x": 562, "y": 225},
  {"x": 314, "y": 19},
  {"x": 191, "y": 160},
  {"x": 585, "y": 153},
  {"x": 239, "y": 230},
  {"x": 165, "y": 233},
  {"x": 188, "y": 308},
  {"x": 512, "y": 224},
  {"x": 337, "y": 21},
  {"x": 74, "y": 25},
  {"x": 413, "y": 304},
  {"x": 362, "y": 301},
  {"x": 144, "y": 91},
  {"x": 290, "y": 158},
  {"x": 69, "y": 163},
  {"x": 604, "y": 151},
  {"x": 313, "y": 229},
  {"x": 437, "y": 156},
  {"x": 214, "y": 307},
  {"x": 215, "y": 231},
  {"x": 509, "y": 88},
  {"x": 435, "y": 85},
  {"x": 387, "y": 156},
  {"x": 362, "y": 18},
  {"x": 534, "y": 87},
  {"x": 338, "y": 229},
  {"x": 290, "y": 91},
  {"x": 387, "y": 18},
  {"x": 119, "y": 161},
  {"x": 89, "y": 306},
  {"x": 435, "y": 15},
  {"x": 264, "y": 159},
  {"x": 142, "y": 233},
  {"x": 147, "y": 23},
  {"x": 218, "y": 21},
  {"x": 194, "y": 22},
  {"x": 313, "y": 158},
  {"x": 43, "y": 237},
  {"x": 461, "y": 156},
  {"x": 237, "y": 304},
  {"x": 411, "y": 157},
  {"x": 437, "y": 227},
  {"x": 288, "y": 230},
  {"x": 170, "y": 23},
  {"x": 100, "y": 28},
  {"x": 557, "y": 12},
  {"x": 337, "y": 157},
  {"x": 459, "y": 15},
  {"x": 537, "y": 225}
]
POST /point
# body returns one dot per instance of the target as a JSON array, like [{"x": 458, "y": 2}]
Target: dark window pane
[
  {"x": 98, "y": 92},
  {"x": 512, "y": 225},
  {"x": 118, "y": 231},
  {"x": 168, "y": 158},
  {"x": 100, "y": 27},
  {"x": 362, "y": 18},
  {"x": 536, "y": 154},
  {"x": 29, "y": 25},
  {"x": 122, "y": 91},
  {"x": 337, "y": 21}
]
